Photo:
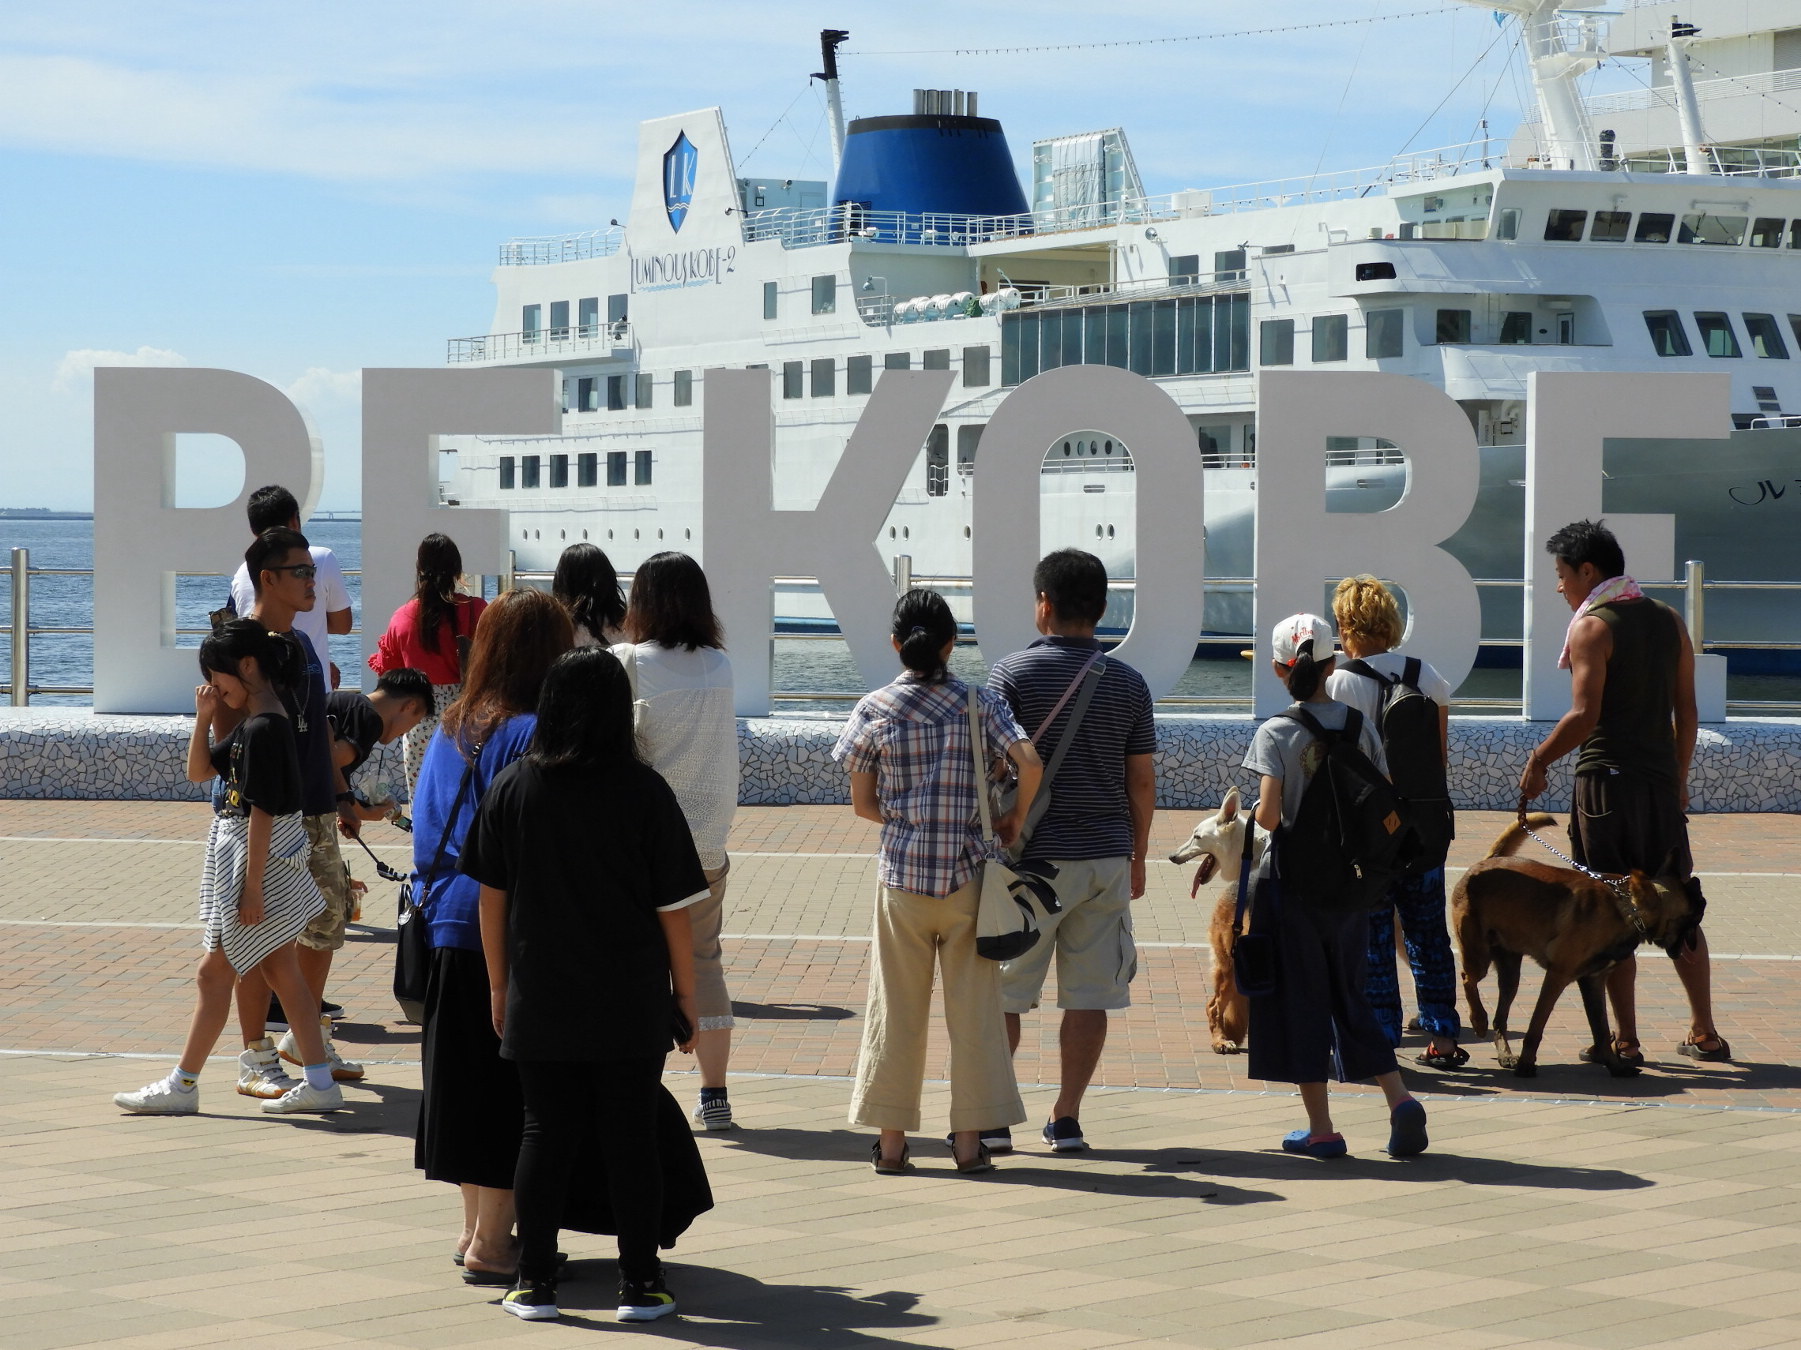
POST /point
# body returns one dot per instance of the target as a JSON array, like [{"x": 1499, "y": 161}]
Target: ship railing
[
  {"x": 572, "y": 340},
  {"x": 19, "y": 688},
  {"x": 538, "y": 250},
  {"x": 1726, "y": 161},
  {"x": 1664, "y": 96},
  {"x": 1777, "y": 422}
]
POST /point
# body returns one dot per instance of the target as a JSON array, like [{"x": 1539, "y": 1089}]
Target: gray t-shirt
[
  {"x": 1287, "y": 750},
  {"x": 1365, "y": 695}
]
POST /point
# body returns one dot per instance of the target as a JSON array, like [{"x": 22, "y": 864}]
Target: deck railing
[{"x": 572, "y": 340}]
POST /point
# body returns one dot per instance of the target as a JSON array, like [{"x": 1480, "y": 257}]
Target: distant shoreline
[{"x": 44, "y": 513}]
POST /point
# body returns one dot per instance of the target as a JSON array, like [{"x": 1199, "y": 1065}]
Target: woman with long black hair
[
  {"x": 424, "y": 634},
  {"x": 591, "y": 970},
  {"x": 588, "y": 587}
]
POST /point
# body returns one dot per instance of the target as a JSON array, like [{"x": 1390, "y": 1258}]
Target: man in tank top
[{"x": 1633, "y": 720}]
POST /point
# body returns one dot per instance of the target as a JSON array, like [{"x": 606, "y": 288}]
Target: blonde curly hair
[{"x": 1364, "y": 608}]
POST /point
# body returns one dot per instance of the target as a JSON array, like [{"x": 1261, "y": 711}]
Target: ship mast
[
  {"x": 829, "y": 40},
  {"x": 1560, "y": 49},
  {"x": 1687, "y": 109}
]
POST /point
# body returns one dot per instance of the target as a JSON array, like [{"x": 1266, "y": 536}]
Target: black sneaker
[
  {"x": 1064, "y": 1135},
  {"x": 533, "y": 1300},
  {"x": 644, "y": 1302},
  {"x": 996, "y": 1141},
  {"x": 278, "y": 1020}
]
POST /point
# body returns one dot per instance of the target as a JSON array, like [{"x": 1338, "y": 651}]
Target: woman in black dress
[{"x": 591, "y": 965}]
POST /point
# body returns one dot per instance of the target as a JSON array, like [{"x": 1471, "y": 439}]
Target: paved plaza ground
[{"x": 1569, "y": 1210}]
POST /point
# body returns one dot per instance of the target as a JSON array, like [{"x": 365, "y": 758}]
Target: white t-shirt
[
  {"x": 688, "y": 730},
  {"x": 329, "y": 596},
  {"x": 1365, "y": 694},
  {"x": 1287, "y": 750}
]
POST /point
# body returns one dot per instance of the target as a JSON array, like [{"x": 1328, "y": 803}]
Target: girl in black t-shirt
[
  {"x": 591, "y": 967},
  {"x": 256, "y": 895}
]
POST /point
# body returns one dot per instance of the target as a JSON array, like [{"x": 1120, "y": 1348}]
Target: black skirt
[{"x": 471, "y": 1113}]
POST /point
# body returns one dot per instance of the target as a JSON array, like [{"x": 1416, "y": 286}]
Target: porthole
[
  {"x": 562, "y": 534},
  {"x": 659, "y": 534},
  {"x": 636, "y": 534},
  {"x": 1109, "y": 447},
  {"x": 687, "y": 534},
  {"x": 609, "y": 536},
  {"x": 966, "y": 531},
  {"x": 891, "y": 533},
  {"x": 525, "y": 534},
  {"x": 584, "y": 534},
  {"x": 1097, "y": 531},
  {"x": 535, "y": 534},
  {"x": 1109, "y": 532},
  {"x": 1066, "y": 448},
  {"x": 906, "y": 533}
]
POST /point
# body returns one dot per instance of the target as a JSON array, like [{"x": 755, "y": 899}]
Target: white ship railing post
[
  {"x": 903, "y": 573},
  {"x": 21, "y": 627}
]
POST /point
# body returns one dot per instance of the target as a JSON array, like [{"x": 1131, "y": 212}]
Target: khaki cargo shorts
[
  {"x": 326, "y": 932},
  {"x": 1091, "y": 939}
]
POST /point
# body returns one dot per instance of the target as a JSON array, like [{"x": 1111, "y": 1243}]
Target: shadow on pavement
[
  {"x": 776, "y": 1012},
  {"x": 1661, "y": 1078},
  {"x": 1427, "y": 1167}
]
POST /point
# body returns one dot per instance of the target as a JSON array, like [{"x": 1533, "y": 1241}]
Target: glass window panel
[
  {"x": 1717, "y": 337},
  {"x": 1184, "y": 269},
  {"x": 1382, "y": 333},
  {"x": 1118, "y": 326},
  {"x": 1331, "y": 337},
  {"x": 559, "y": 471},
  {"x": 1163, "y": 337},
  {"x": 1794, "y": 325},
  {"x": 1767, "y": 231},
  {"x": 1766, "y": 337},
  {"x": 824, "y": 376},
  {"x": 1138, "y": 353},
  {"x": 559, "y": 318},
  {"x": 528, "y": 471},
  {"x": 1050, "y": 339},
  {"x": 1094, "y": 335},
  {"x": 1238, "y": 308},
  {"x": 587, "y": 397},
  {"x": 1028, "y": 346},
  {"x": 1794, "y": 234},
  {"x": 1516, "y": 327},
  {"x": 938, "y": 358},
  {"x": 1703, "y": 227},
  {"x": 969, "y": 437},
  {"x": 1275, "y": 342},
  {"x": 1507, "y": 223},
  {"x": 645, "y": 385},
  {"x": 683, "y": 396},
  {"x": 1565, "y": 226},
  {"x": 825, "y": 294},
  {"x": 771, "y": 299},
  {"x": 1185, "y": 336},
  {"x": 938, "y": 454},
  {"x": 1453, "y": 325},
  {"x": 792, "y": 377},
  {"x": 615, "y": 468},
  {"x": 1668, "y": 337},
  {"x": 616, "y": 308},
  {"x": 1010, "y": 331},
  {"x": 897, "y": 361},
  {"x": 1072, "y": 337},
  {"x": 507, "y": 464},
  {"x": 641, "y": 467},
  {"x": 587, "y": 470},
  {"x": 1228, "y": 265},
  {"x": 1610, "y": 227},
  {"x": 859, "y": 374},
  {"x": 1654, "y": 227},
  {"x": 615, "y": 393},
  {"x": 975, "y": 364},
  {"x": 1203, "y": 334},
  {"x": 587, "y": 316},
  {"x": 531, "y": 322}
]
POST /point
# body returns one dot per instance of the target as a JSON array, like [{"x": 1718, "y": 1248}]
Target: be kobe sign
[{"x": 141, "y": 540}]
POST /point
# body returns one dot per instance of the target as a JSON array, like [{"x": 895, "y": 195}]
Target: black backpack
[
  {"x": 1409, "y": 725},
  {"x": 1352, "y": 834}
]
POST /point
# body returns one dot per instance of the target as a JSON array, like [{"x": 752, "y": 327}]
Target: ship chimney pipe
[
  {"x": 829, "y": 41},
  {"x": 1688, "y": 110}
]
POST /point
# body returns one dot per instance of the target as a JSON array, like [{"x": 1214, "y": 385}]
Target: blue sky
[{"x": 300, "y": 191}]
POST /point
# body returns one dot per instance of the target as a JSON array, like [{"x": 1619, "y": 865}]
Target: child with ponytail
[
  {"x": 256, "y": 895},
  {"x": 1317, "y": 1019}
]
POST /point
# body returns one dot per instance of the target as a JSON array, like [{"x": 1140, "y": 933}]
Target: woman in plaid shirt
[{"x": 912, "y": 771}]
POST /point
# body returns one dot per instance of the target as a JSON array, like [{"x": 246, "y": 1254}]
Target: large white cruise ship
[{"x": 1646, "y": 232}]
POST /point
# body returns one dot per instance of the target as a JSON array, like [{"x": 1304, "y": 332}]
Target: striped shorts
[{"x": 290, "y": 898}]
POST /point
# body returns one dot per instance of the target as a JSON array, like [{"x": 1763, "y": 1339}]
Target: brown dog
[
  {"x": 1506, "y": 908},
  {"x": 1218, "y": 841}
]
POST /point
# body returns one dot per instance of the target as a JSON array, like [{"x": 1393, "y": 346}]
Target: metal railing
[
  {"x": 1694, "y": 587},
  {"x": 1664, "y": 96},
  {"x": 575, "y": 340},
  {"x": 538, "y": 250}
]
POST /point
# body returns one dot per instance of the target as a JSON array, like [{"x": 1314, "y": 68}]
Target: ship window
[
  {"x": 1507, "y": 224},
  {"x": 559, "y": 319},
  {"x": 587, "y": 316},
  {"x": 1138, "y": 353},
  {"x": 615, "y": 469},
  {"x": 615, "y": 393},
  {"x": 859, "y": 374},
  {"x": 559, "y": 471},
  {"x": 1330, "y": 334},
  {"x": 771, "y": 296},
  {"x": 1453, "y": 325},
  {"x": 1275, "y": 342},
  {"x": 1717, "y": 335},
  {"x": 587, "y": 397},
  {"x": 1610, "y": 227},
  {"x": 1382, "y": 333},
  {"x": 1228, "y": 265},
  {"x": 825, "y": 294},
  {"x": 563, "y": 397},
  {"x": 1185, "y": 269},
  {"x": 617, "y": 308},
  {"x": 643, "y": 391},
  {"x": 1565, "y": 226},
  {"x": 683, "y": 395},
  {"x": 1794, "y": 324},
  {"x": 1516, "y": 328},
  {"x": 1767, "y": 232},
  {"x": 938, "y": 358},
  {"x": 969, "y": 436},
  {"x": 587, "y": 471},
  {"x": 641, "y": 469},
  {"x": 791, "y": 379},
  {"x": 938, "y": 455},
  {"x": 528, "y": 471},
  {"x": 1163, "y": 337},
  {"x": 1766, "y": 336},
  {"x": 1794, "y": 234},
  {"x": 975, "y": 367},
  {"x": 531, "y": 322},
  {"x": 1654, "y": 227},
  {"x": 897, "y": 361},
  {"x": 824, "y": 377},
  {"x": 1703, "y": 227},
  {"x": 1380, "y": 271},
  {"x": 506, "y": 472},
  {"x": 1668, "y": 337}
]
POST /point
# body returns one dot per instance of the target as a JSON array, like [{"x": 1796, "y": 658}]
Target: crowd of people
[{"x": 561, "y": 976}]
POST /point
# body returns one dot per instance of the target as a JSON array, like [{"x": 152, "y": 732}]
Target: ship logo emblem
[{"x": 678, "y": 179}]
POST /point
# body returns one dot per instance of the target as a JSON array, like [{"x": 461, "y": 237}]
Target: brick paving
[{"x": 1567, "y": 1210}]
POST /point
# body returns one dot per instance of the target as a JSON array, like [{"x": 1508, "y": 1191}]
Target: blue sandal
[
  {"x": 1407, "y": 1129},
  {"x": 1314, "y": 1146}
]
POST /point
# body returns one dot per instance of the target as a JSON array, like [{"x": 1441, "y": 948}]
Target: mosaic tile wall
[{"x": 74, "y": 754}]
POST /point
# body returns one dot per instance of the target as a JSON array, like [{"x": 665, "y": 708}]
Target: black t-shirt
[
  {"x": 587, "y": 860},
  {"x": 312, "y": 734},
  {"x": 355, "y": 722},
  {"x": 259, "y": 767}
]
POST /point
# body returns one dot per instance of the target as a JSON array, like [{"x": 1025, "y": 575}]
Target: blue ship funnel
[{"x": 941, "y": 159}]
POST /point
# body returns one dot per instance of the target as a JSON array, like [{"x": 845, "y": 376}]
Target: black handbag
[
  {"x": 1254, "y": 954},
  {"x": 412, "y": 935}
]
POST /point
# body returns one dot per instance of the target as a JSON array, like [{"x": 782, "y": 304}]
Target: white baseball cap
[{"x": 1295, "y": 632}]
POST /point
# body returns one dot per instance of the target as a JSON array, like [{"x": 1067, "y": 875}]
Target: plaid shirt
[{"x": 913, "y": 735}]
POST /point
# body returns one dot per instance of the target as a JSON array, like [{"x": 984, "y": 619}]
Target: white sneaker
[
  {"x": 342, "y": 1070},
  {"x": 260, "y": 1072},
  {"x": 165, "y": 1097},
  {"x": 303, "y": 1097},
  {"x": 714, "y": 1115}
]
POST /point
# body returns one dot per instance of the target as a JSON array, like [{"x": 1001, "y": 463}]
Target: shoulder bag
[
  {"x": 1254, "y": 954},
  {"x": 1006, "y": 925},
  {"x": 412, "y": 937},
  {"x": 1087, "y": 679}
]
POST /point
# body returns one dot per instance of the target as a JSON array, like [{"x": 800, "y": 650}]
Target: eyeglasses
[{"x": 305, "y": 571}]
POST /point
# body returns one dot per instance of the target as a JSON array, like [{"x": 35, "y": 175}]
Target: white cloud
[
  {"x": 322, "y": 388},
  {"x": 75, "y": 372}
]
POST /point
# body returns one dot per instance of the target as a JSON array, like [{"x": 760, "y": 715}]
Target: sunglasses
[{"x": 305, "y": 571}]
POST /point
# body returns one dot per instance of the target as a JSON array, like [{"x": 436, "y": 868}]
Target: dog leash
[
  {"x": 1622, "y": 892},
  {"x": 382, "y": 870}
]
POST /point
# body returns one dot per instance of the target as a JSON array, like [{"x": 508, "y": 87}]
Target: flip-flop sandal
[
  {"x": 1718, "y": 1055},
  {"x": 1636, "y": 1058},
  {"x": 980, "y": 1163},
  {"x": 498, "y": 1276},
  {"x": 1455, "y": 1058}
]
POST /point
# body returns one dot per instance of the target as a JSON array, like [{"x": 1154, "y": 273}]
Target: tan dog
[
  {"x": 1506, "y": 908},
  {"x": 1218, "y": 841}
]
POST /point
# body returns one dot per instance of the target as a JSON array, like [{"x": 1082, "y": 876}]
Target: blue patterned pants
[{"x": 1420, "y": 901}]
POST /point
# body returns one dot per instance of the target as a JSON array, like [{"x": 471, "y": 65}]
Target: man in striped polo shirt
[{"x": 1095, "y": 832}]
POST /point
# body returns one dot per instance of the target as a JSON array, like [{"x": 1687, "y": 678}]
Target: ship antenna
[{"x": 829, "y": 41}]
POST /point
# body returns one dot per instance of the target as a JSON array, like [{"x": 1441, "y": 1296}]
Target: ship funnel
[{"x": 943, "y": 158}]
